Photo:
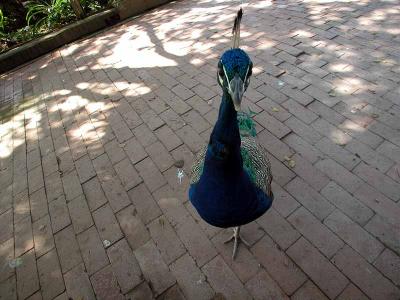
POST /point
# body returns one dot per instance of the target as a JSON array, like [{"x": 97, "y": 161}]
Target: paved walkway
[{"x": 90, "y": 203}]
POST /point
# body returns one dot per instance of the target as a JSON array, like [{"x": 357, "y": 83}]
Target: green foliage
[
  {"x": 2, "y": 21},
  {"x": 21, "y": 35},
  {"x": 44, "y": 15},
  {"x": 114, "y": 3}
]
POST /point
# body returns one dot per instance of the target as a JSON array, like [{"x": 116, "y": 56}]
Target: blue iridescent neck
[{"x": 226, "y": 129}]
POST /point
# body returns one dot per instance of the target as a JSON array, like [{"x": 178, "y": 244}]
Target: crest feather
[{"x": 236, "y": 29}]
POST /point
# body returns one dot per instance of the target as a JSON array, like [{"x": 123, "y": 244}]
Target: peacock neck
[{"x": 226, "y": 129}]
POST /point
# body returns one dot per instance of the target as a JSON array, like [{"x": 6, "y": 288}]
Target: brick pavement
[{"x": 90, "y": 205}]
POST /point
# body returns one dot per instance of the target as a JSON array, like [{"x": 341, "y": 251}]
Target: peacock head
[
  {"x": 235, "y": 67},
  {"x": 234, "y": 72}
]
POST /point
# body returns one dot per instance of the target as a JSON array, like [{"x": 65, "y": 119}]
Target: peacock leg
[{"x": 236, "y": 237}]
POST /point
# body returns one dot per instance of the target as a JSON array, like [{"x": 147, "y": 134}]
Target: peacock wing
[
  {"x": 198, "y": 165},
  {"x": 256, "y": 163}
]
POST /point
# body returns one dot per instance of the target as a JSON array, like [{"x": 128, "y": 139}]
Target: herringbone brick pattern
[{"x": 92, "y": 136}]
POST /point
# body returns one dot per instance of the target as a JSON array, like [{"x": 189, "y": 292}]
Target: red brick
[
  {"x": 6, "y": 225},
  {"x": 8, "y": 288},
  {"x": 196, "y": 121},
  {"x": 354, "y": 235},
  {"x": 339, "y": 154},
  {"x": 78, "y": 285},
  {"x": 72, "y": 186},
  {"x": 370, "y": 156},
  {"x": 51, "y": 280},
  {"x": 142, "y": 291},
  {"x": 305, "y": 132},
  {"x": 282, "y": 174},
  {"x": 278, "y": 265},
  {"x": 308, "y": 291},
  {"x": 361, "y": 134},
  {"x": 390, "y": 150},
  {"x": 173, "y": 120},
  {"x": 92, "y": 250},
  {"x": 166, "y": 239},
  {"x": 154, "y": 268},
  {"x": 150, "y": 174},
  {"x": 309, "y": 173},
  {"x": 273, "y": 125},
  {"x": 309, "y": 198},
  {"x": 42, "y": 236},
  {"x": 94, "y": 193},
  {"x": 352, "y": 292},
  {"x": 133, "y": 228},
  {"x": 27, "y": 278},
  {"x": 68, "y": 249},
  {"x": 208, "y": 229},
  {"x": 80, "y": 214},
  {"x": 59, "y": 214},
  {"x": 262, "y": 286},
  {"x": 144, "y": 135},
  {"x": 124, "y": 265},
  {"x": 134, "y": 150},
  {"x": 127, "y": 173},
  {"x": 379, "y": 181},
  {"x": 365, "y": 276},
  {"x": 379, "y": 203},
  {"x": 160, "y": 156},
  {"x": 189, "y": 277},
  {"x": 151, "y": 119},
  {"x": 107, "y": 224},
  {"x": 115, "y": 151},
  {"x": 320, "y": 270},
  {"x": 274, "y": 145},
  {"x": 191, "y": 138},
  {"x": 278, "y": 228},
  {"x": 223, "y": 280},
  {"x": 387, "y": 233},
  {"x": 339, "y": 174},
  {"x": 317, "y": 233},
  {"x": 144, "y": 203},
  {"x": 272, "y": 93},
  {"x": 38, "y": 204},
  {"x": 105, "y": 284},
  {"x": 23, "y": 236},
  {"x": 299, "y": 111},
  {"x": 389, "y": 263},
  {"x": 169, "y": 139},
  {"x": 195, "y": 240},
  {"x": 334, "y": 134},
  {"x": 54, "y": 187},
  {"x": 245, "y": 266},
  {"x": 276, "y": 110},
  {"x": 326, "y": 113},
  {"x": 321, "y": 96},
  {"x": 84, "y": 168},
  {"x": 309, "y": 152},
  {"x": 116, "y": 194},
  {"x": 283, "y": 202},
  {"x": 353, "y": 208}
]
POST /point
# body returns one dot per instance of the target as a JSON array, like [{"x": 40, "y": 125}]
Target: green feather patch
[{"x": 246, "y": 124}]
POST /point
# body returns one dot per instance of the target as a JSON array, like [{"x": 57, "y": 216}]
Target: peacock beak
[{"x": 236, "y": 90}]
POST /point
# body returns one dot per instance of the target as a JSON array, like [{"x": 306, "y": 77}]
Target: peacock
[{"x": 230, "y": 182}]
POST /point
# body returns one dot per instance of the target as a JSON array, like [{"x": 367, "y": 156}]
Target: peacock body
[{"x": 231, "y": 176}]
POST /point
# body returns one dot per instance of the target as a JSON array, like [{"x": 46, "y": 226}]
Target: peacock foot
[{"x": 236, "y": 237}]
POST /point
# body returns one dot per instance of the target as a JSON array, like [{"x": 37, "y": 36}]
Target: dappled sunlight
[{"x": 73, "y": 102}]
